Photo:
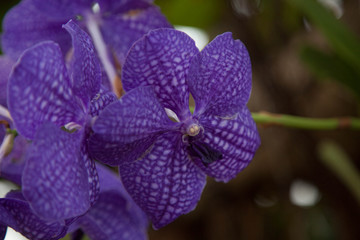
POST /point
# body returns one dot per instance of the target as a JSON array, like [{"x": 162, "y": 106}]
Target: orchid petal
[
  {"x": 24, "y": 26},
  {"x": 127, "y": 128},
  {"x": 55, "y": 179},
  {"x": 40, "y": 90},
  {"x": 5, "y": 68},
  {"x": 113, "y": 218},
  {"x": 130, "y": 26},
  {"x": 17, "y": 214},
  {"x": 161, "y": 59},
  {"x": 101, "y": 100},
  {"x": 220, "y": 77},
  {"x": 237, "y": 139},
  {"x": 164, "y": 183},
  {"x": 63, "y": 9},
  {"x": 85, "y": 67}
]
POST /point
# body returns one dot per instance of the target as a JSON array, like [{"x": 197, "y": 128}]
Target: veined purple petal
[
  {"x": 24, "y": 26},
  {"x": 39, "y": 90},
  {"x": 109, "y": 180},
  {"x": 161, "y": 59},
  {"x": 237, "y": 139},
  {"x": 55, "y": 179},
  {"x": 5, "y": 68},
  {"x": 127, "y": 128},
  {"x": 63, "y": 9},
  {"x": 17, "y": 214},
  {"x": 101, "y": 100},
  {"x": 85, "y": 66},
  {"x": 112, "y": 218},
  {"x": 92, "y": 175},
  {"x": 122, "y": 29},
  {"x": 220, "y": 77},
  {"x": 164, "y": 183},
  {"x": 122, "y": 6}
]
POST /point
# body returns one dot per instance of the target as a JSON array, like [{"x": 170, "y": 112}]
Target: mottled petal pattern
[
  {"x": 55, "y": 179},
  {"x": 165, "y": 183},
  {"x": 117, "y": 7},
  {"x": 63, "y": 9},
  {"x": 237, "y": 139},
  {"x": 127, "y": 128},
  {"x": 40, "y": 90},
  {"x": 85, "y": 66},
  {"x": 161, "y": 59},
  {"x": 101, "y": 100},
  {"x": 24, "y": 26},
  {"x": 129, "y": 26},
  {"x": 92, "y": 175},
  {"x": 110, "y": 182},
  {"x": 17, "y": 214},
  {"x": 220, "y": 77},
  {"x": 5, "y": 68},
  {"x": 112, "y": 218}
]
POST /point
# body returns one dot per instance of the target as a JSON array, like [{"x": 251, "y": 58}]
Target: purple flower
[
  {"x": 164, "y": 163},
  {"x": 121, "y": 22},
  {"x": 114, "y": 26},
  {"x": 114, "y": 216},
  {"x": 59, "y": 179}
]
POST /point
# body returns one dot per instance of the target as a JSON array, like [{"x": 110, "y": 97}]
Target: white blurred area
[
  {"x": 304, "y": 194},
  {"x": 336, "y": 6},
  {"x": 12, "y": 235},
  {"x": 200, "y": 37},
  {"x": 5, "y": 187}
]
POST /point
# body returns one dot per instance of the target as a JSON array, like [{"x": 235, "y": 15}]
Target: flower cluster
[{"x": 62, "y": 95}]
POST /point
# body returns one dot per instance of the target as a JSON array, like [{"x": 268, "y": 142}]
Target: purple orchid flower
[
  {"x": 163, "y": 164},
  {"x": 59, "y": 179},
  {"x": 114, "y": 26},
  {"x": 114, "y": 216}
]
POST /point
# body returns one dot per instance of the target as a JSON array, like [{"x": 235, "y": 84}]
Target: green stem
[
  {"x": 270, "y": 119},
  {"x": 12, "y": 131},
  {"x": 306, "y": 123}
]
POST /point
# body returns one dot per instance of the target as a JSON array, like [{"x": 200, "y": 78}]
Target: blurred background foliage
[{"x": 306, "y": 62}]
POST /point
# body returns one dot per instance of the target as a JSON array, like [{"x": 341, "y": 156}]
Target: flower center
[{"x": 193, "y": 129}]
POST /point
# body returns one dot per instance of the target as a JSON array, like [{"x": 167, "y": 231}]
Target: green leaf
[
  {"x": 335, "y": 158},
  {"x": 326, "y": 65},
  {"x": 344, "y": 42}
]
